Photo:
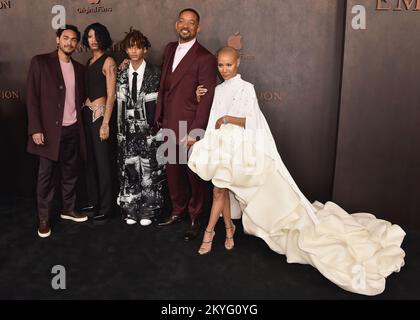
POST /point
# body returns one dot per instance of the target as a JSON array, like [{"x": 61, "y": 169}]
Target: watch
[{"x": 224, "y": 120}]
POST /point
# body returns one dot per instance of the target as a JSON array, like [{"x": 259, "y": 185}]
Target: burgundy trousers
[
  {"x": 188, "y": 192},
  {"x": 61, "y": 173}
]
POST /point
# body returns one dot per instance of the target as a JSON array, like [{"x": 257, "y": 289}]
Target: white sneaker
[
  {"x": 130, "y": 221},
  {"x": 145, "y": 222}
]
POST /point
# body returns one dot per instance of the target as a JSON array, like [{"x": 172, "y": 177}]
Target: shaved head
[
  {"x": 228, "y": 51},
  {"x": 228, "y": 62}
]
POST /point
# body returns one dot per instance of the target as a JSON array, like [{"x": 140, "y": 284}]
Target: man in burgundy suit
[
  {"x": 55, "y": 133},
  {"x": 186, "y": 64}
]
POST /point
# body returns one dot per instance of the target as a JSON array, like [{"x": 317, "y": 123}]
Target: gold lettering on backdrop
[
  {"x": 94, "y": 8},
  {"x": 386, "y": 5},
  {"x": 407, "y": 4},
  {"x": 247, "y": 56},
  {"x": 269, "y": 96},
  {"x": 379, "y": 4},
  {"x": 9, "y": 94},
  {"x": 5, "y": 4}
]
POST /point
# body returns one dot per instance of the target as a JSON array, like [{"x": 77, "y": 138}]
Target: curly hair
[
  {"x": 135, "y": 38},
  {"x": 101, "y": 35}
]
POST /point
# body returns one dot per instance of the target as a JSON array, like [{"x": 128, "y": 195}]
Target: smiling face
[
  {"x": 228, "y": 63},
  {"x": 67, "y": 42},
  {"x": 187, "y": 26}
]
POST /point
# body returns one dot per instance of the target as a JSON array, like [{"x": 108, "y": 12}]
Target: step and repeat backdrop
[{"x": 337, "y": 81}]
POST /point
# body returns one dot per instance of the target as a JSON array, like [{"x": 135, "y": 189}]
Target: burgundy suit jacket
[
  {"x": 45, "y": 98},
  {"x": 177, "y": 100}
]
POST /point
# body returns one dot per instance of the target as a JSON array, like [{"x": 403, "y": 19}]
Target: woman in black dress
[{"x": 101, "y": 77}]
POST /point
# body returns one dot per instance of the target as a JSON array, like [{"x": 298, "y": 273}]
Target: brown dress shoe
[
  {"x": 192, "y": 232},
  {"x": 44, "y": 229},
  {"x": 75, "y": 216},
  {"x": 173, "y": 219}
]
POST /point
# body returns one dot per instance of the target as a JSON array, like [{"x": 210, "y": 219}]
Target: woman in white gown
[{"x": 238, "y": 154}]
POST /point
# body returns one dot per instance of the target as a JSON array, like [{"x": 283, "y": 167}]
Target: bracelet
[{"x": 224, "y": 120}]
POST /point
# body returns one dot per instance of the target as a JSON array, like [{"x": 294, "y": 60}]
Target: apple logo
[
  {"x": 94, "y": 1},
  {"x": 234, "y": 41}
]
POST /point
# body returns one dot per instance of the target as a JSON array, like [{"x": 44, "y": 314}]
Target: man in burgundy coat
[
  {"x": 186, "y": 64},
  {"x": 55, "y": 95}
]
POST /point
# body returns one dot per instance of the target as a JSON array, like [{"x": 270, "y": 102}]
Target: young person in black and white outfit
[{"x": 142, "y": 178}]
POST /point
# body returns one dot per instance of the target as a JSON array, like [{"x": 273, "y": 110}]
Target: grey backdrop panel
[{"x": 378, "y": 155}]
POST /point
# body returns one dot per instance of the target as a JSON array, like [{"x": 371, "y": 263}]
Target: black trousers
[
  {"x": 65, "y": 170},
  {"x": 98, "y": 166}
]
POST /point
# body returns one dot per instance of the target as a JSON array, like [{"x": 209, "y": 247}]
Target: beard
[
  {"x": 187, "y": 37},
  {"x": 67, "y": 51}
]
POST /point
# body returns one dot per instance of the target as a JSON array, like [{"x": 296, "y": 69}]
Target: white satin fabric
[{"x": 355, "y": 251}]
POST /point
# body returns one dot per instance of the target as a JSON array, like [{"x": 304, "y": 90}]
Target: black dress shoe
[
  {"x": 192, "y": 232},
  {"x": 172, "y": 220},
  {"x": 100, "y": 218},
  {"x": 87, "y": 208}
]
